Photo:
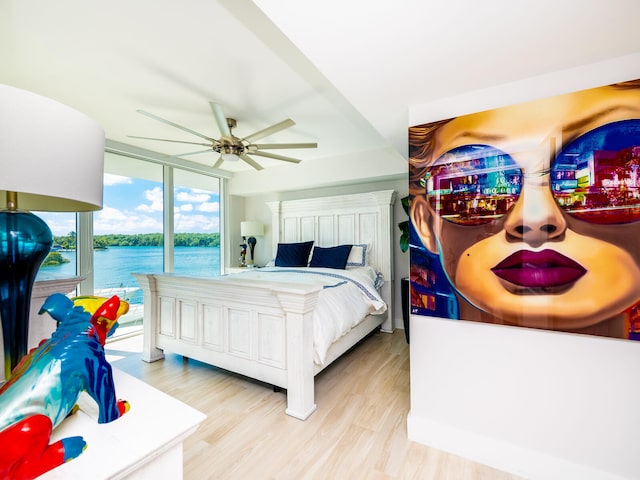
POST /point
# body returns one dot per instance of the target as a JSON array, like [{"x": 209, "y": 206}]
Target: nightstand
[{"x": 229, "y": 270}]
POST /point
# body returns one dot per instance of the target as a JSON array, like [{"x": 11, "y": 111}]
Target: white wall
[
  {"x": 257, "y": 209},
  {"x": 544, "y": 405},
  {"x": 316, "y": 174},
  {"x": 235, "y": 214}
]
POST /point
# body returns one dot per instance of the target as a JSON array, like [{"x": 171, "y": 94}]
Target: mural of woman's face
[{"x": 529, "y": 250}]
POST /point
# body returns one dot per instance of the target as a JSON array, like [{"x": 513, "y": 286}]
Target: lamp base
[
  {"x": 252, "y": 246},
  {"x": 25, "y": 241}
]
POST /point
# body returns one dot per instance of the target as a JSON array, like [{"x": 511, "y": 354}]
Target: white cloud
[
  {"x": 113, "y": 214},
  {"x": 209, "y": 207},
  {"x": 110, "y": 179},
  {"x": 111, "y": 220},
  {"x": 192, "y": 197},
  {"x": 145, "y": 218},
  {"x": 196, "y": 223},
  {"x": 155, "y": 197},
  {"x": 145, "y": 208},
  {"x": 60, "y": 223}
]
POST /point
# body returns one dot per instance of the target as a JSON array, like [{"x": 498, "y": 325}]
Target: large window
[
  {"x": 61, "y": 262},
  {"x": 129, "y": 234},
  {"x": 196, "y": 220}
]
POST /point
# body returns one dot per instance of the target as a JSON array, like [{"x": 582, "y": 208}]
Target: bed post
[
  {"x": 275, "y": 226},
  {"x": 385, "y": 242},
  {"x": 150, "y": 353},
  {"x": 299, "y": 307}
]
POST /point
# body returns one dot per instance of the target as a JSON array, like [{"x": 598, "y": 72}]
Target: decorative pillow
[
  {"x": 330, "y": 257},
  {"x": 358, "y": 256},
  {"x": 293, "y": 254}
]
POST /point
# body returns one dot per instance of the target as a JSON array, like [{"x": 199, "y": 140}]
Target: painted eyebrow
[
  {"x": 486, "y": 137},
  {"x": 582, "y": 122}
]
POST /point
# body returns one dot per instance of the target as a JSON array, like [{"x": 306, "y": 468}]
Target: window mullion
[
  {"x": 84, "y": 252},
  {"x": 168, "y": 227}
]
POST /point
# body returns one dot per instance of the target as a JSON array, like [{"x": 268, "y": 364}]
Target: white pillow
[{"x": 357, "y": 256}]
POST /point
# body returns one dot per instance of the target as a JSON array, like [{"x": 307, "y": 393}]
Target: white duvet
[{"x": 347, "y": 297}]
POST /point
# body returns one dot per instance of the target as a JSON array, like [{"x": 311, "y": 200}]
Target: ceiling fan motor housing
[
  {"x": 233, "y": 149},
  {"x": 231, "y": 145}
]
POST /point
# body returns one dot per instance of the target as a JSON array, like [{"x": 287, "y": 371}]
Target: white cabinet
[
  {"x": 229, "y": 270},
  {"x": 144, "y": 443}
]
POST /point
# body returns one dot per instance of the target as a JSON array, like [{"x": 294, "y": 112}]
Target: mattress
[{"x": 346, "y": 298}]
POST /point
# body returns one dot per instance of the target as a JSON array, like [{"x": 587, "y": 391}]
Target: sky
[{"x": 131, "y": 205}]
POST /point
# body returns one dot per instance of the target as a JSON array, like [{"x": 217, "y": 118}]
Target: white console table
[
  {"x": 42, "y": 326},
  {"x": 144, "y": 443}
]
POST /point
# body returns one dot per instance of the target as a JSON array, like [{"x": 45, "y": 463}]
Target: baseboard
[{"x": 503, "y": 456}]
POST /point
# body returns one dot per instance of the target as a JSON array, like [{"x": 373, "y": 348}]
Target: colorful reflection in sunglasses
[{"x": 595, "y": 178}]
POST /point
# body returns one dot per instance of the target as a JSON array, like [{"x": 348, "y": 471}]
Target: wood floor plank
[{"x": 358, "y": 431}]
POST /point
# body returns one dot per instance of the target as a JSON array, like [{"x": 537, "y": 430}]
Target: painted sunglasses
[{"x": 594, "y": 178}]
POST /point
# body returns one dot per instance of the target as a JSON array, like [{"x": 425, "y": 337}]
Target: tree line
[{"x": 68, "y": 242}]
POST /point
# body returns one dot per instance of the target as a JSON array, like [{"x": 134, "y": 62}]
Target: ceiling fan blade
[
  {"x": 276, "y": 157},
  {"x": 209, "y": 150},
  {"x": 268, "y": 146},
  {"x": 167, "y": 140},
  {"x": 250, "y": 161},
  {"x": 221, "y": 119},
  {"x": 219, "y": 162},
  {"x": 168, "y": 122},
  {"x": 269, "y": 130}
]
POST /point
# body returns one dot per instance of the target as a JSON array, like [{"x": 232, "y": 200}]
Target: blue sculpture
[{"x": 44, "y": 387}]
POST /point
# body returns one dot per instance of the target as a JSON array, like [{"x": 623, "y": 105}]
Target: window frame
[{"x": 84, "y": 220}]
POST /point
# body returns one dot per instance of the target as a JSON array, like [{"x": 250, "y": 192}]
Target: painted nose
[{"x": 536, "y": 218}]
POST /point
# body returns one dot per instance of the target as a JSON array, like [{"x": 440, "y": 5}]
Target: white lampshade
[
  {"x": 50, "y": 154},
  {"x": 251, "y": 229}
]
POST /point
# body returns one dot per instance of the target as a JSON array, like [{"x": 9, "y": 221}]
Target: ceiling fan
[{"x": 230, "y": 147}]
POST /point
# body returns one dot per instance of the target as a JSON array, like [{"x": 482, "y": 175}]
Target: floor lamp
[
  {"x": 51, "y": 159},
  {"x": 250, "y": 230}
]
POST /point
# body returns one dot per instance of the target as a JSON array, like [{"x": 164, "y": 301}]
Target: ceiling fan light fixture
[
  {"x": 230, "y": 157},
  {"x": 230, "y": 153}
]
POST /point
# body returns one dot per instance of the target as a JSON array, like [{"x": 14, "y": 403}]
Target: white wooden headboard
[{"x": 362, "y": 218}]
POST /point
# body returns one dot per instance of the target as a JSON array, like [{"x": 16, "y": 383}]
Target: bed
[{"x": 260, "y": 323}]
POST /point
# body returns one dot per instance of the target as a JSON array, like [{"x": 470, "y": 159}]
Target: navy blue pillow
[
  {"x": 330, "y": 257},
  {"x": 293, "y": 254}
]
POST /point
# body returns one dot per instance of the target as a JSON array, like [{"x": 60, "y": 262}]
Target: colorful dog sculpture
[{"x": 44, "y": 387}]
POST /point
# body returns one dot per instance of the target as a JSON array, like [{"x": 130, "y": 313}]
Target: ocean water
[{"x": 114, "y": 266}]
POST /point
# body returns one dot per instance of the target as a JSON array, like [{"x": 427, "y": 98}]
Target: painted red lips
[{"x": 545, "y": 269}]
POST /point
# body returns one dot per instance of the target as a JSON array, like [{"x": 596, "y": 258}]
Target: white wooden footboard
[{"x": 263, "y": 331}]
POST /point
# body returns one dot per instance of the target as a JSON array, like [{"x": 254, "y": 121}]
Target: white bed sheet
[{"x": 347, "y": 297}]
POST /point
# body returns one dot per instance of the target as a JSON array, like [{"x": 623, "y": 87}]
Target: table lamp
[
  {"x": 251, "y": 230},
  {"x": 52, "y": 159}
]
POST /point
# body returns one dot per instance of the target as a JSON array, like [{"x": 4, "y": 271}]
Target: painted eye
[
  {"x": 596, "y": 177},
  {"x": 473, "y": 184}
]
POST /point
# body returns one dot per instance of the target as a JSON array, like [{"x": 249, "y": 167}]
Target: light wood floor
[{"x": 357, "y": 432}]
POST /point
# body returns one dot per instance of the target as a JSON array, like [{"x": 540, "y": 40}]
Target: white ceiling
[{"x": 345, "y": 71}]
